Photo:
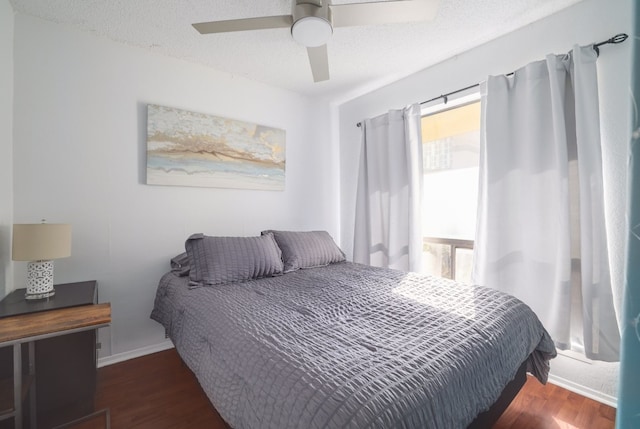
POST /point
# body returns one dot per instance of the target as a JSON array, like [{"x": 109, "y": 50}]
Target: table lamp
[{"x": 39, "y": 244}]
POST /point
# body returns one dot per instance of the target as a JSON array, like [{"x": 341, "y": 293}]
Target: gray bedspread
[{"x": 351, "y": 346}]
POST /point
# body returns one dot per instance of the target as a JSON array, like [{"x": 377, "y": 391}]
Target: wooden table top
[{"x": 51, "y": 321}]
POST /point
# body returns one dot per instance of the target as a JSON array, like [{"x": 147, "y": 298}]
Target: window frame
[{"x": 443, "y": 106}]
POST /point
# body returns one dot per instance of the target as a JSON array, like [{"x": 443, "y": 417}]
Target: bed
[{"x": 344, "y": 345}]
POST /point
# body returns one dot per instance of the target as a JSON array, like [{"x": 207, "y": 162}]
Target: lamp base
[{"x": 39, "y": 280}]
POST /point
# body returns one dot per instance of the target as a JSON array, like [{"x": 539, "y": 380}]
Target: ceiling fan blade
[
  {"x": 319, "y": 61},
  {"x": 383, "y": 12},
  {"x": 260, "y": 23}
]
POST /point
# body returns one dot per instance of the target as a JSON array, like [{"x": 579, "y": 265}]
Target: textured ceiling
[{"x": 359, "y": 57}]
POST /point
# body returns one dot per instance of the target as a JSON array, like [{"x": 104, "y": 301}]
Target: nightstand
[{"x": 54, "y": 340}]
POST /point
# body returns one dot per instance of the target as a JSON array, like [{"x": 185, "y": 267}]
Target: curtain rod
[{"x": 618, "y": 38}]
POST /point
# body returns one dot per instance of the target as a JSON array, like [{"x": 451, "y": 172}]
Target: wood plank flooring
[
  {"x": 549, "y": 406},
  {"x": 158, "y": 391}
]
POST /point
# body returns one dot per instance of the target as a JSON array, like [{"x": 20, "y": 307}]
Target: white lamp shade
[
  {"x": 311, "y": 31},
  {"x": 41, "y": 241}
]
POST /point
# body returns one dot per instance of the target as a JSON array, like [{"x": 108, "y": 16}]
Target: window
[{"x": 451, "y": 150}]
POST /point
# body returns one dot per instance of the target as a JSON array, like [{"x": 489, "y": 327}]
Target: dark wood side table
[{"x": 59, "y": 335}]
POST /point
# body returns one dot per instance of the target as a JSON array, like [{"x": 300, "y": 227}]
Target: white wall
[
  {"x": 79, "y": 157},
  {"x": 6, "y": 145},
  {"x": 584, "y": 23},
  {"x": 78, "y": 153}
]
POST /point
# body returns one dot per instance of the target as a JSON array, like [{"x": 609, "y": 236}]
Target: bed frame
[{"x": 488, "y": 418}]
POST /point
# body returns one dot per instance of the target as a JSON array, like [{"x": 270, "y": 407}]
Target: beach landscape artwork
[{"x": 195, "y": 149}]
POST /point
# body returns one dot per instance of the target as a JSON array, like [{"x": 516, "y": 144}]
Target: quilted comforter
[{"x": 351, "y": 346}]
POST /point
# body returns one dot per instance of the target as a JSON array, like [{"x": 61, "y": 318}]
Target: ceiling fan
[{"x": 312, "y": 23}]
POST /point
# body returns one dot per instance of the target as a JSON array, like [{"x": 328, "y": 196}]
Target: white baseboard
[
  {"x": 587, "y": 392},
  {"x": 132, "y": 354}
]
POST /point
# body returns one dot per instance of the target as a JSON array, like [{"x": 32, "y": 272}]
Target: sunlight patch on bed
[{"x": 463, "y": 304}]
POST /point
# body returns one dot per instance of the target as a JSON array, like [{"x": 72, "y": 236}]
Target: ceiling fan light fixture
[
  {"x": 311, "y": 31},
  {"x": 311, "y": 23}
]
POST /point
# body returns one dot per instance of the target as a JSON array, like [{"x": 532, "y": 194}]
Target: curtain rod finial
[{"x": 619, "y": 38}]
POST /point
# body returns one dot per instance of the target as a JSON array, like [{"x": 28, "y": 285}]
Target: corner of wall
[{"x": 6, "y": 145}]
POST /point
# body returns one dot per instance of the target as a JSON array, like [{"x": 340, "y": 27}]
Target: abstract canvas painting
[{"x": 195, "y": 149}]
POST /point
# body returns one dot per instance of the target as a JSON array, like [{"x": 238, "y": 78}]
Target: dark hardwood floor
[
  {"x": 552, "y": 407},
  {"x": 158, "y": 391}
]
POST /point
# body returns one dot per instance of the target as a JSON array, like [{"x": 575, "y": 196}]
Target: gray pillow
[
  {"x": 306, "y": 249},
  {"x": 180, "y": 264},
  {"x": 219, "y": 260}
]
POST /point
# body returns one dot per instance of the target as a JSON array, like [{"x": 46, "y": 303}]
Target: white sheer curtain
[
  {"x": 388, "y": 203},
  {"x": 541, "y": 228}
]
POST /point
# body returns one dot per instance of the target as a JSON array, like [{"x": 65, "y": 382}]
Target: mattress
[{"x": 351, "y": 346}]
